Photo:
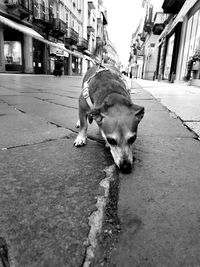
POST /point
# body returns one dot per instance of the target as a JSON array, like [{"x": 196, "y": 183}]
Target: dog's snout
[{"x": 125, "y": 166}]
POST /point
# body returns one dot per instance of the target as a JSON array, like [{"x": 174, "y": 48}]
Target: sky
[{"x": 123, "y": 19}]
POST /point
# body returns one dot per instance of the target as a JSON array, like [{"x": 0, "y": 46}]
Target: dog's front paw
[{"x": 80, "y": 140}]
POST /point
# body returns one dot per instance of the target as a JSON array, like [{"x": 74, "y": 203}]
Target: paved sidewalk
[
  {"x": 52, "y": 194},
  {"x": 181, "y": 99},
  {"x": 159, "y": 201}
]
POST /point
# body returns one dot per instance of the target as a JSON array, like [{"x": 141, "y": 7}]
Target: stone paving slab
[
  {"x": 28, "y": 83},
  {"x": 6, "y": 109},
  {"x": 159, "y": 205},
  {"x": 19, "y": 99},
  {"x": 150, "y": 105},
  {"x": 186, "y": 108},
  {"x": 4, "y": 91},
  {"x": 50, "y": 95},
  {"x": 38, "y": 97},
  {"x": 23, "y": 129},
  {"x": 48, "y": 191},
  {"x": 180, "y": 99},
  {"x": 58, "y": 114},
  {"x": 65, "y": 117},
  {"x": 60, "y": 100},
  {"x": 161, "y": 123},
  {"x": 139, "y": 94}
]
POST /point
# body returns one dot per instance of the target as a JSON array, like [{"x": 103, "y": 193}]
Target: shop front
[
  {"x": 38, "y": 57},
  {"x": 59, "y": 53},
  {"x": 76, "y": 65},
  {"x": 19, "y": 49},
  {"x": 190, "y": 57},
  {"x": 13, "y": 50}
]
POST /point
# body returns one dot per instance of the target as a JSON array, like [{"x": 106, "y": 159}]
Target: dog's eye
[
  {"x": 112, "y": 141},
  {"x": 131, "y": 140}
]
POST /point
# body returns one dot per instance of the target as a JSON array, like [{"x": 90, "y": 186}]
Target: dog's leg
[
  {"x": 78, "y": 124},
  {"x": 82, "y": 136}
]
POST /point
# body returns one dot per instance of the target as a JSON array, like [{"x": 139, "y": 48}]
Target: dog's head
[{"x": 118, "y": 125}]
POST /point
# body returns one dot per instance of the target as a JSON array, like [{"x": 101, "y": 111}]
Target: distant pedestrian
[{"x": 58, "y": 67}]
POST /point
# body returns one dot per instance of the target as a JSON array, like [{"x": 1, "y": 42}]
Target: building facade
[
  {"x": 176, "y": 43},
  {"x": 188, "y": 56},
  {"x": 111, "y": 56},
  {"x": 143, "y": 58},
  {"x": 34, "y": 34}
]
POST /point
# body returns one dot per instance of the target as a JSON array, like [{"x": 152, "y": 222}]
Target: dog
[{"x": 105, "y": 99}]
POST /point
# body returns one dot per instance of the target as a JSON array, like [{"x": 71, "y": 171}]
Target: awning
[
  {"x": 59, "y": 51},
  {"x": 21, "y": 28},
  {"x": 36, "y": 35},
  {"x": 184, "y": 10},
  {"x": 76, "y": 53},
  {"x": 179, "y": 18}
]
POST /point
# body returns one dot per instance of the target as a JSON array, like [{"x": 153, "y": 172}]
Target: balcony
[
  {"x": 90, "y": 29},
  {"x": 172, "y": 6},
  {"x": 148, "y": 26},
  {"x": 99, "y": 41},
  {"x": 59, "y": 27},
  {"x": 82, "y": 44},
  {"x": 41, "y": 15},
  {"x": 105, "y": 20},
  {"x": 159, "y": 22},
  {"x": 71, "y": 37},
  {"x": 100, "y": 21},
  {"x": 91, "y": 5},
  {"x": 20, "y": 8}
]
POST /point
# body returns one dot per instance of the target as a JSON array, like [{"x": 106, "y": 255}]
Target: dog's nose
[{"x": 125, "y": 166}]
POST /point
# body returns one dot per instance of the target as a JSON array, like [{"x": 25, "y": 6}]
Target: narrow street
[{"x": 53, "y": 195}]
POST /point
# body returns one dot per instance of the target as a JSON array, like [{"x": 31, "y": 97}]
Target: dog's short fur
[{"x": 114, "y": 113}]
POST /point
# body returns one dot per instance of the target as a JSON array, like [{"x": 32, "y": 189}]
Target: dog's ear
[
  {"x": 139, "y": 111},
  {"x": 96, "y": 115}
]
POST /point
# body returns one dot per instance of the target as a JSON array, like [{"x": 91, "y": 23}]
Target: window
[
  {"x": 197, "y": 35},
  {"x": 193, "y": 34},
  {"x": 67, "y": 19},
  {"x": 13, "y": 52},
  {"x": 168, "y": 58},
  {"x": 79, "y": 5},
  {"x": 73, "y": 23},
  {"x": 192, "y": 40}
]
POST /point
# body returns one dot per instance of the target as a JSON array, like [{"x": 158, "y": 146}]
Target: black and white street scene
[{"x": 99, "y": 133}]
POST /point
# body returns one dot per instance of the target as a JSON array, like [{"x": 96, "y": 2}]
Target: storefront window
[
  {"x": 74, "y": 64},
  {"x": 13, "y": 52},
  {"x": 186, "y": 48},
  {"x": 192, "y": 41},
  {"x": 197, "y": 41},
  {"x": 193, "y": 34},
  {"x": 168, "y": 59}
]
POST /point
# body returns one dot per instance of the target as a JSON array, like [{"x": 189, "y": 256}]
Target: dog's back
[{"x": 103, "y": 81}]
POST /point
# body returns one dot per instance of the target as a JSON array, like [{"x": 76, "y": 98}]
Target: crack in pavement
[
  {"x": 96, "y": 218},
  {"x": 50, "y": 93},
  {"x": 37, "y": 143},
  {"x": 51, "y": 102}
]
